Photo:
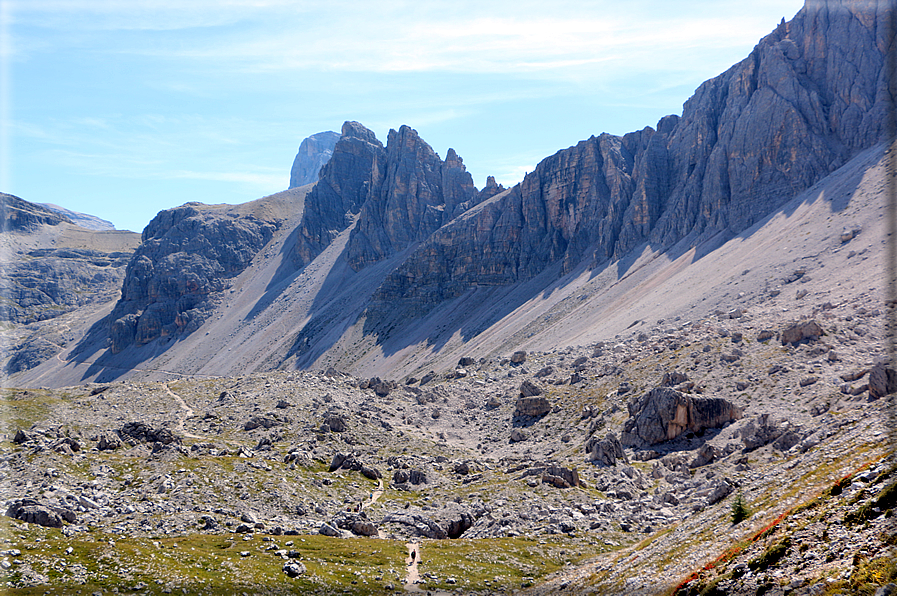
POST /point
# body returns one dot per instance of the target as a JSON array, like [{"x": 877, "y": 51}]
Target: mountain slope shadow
[{"x": 395, "y": 326}]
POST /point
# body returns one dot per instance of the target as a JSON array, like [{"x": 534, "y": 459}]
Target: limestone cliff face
[
  {"x": 314, "y": 152},
  {"x": 186, "y": 256},
  {"x": 51, "y": 268},
  {"x": 346, "y": 182},
  {"x": 399, "y": 194},
  {"x": 810, "y": 96},
  {"x": 416, "y": 194}
]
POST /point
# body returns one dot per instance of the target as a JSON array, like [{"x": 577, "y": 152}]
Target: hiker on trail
[{"x": 413, "y": 554}]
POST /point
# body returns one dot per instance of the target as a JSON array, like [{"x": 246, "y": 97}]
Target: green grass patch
[
  {"x": 499, "y": 563},
  {"x": 201, "y": 564}
]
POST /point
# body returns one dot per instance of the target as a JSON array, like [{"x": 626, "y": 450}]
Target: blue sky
[{"x": 122, "y": 108}]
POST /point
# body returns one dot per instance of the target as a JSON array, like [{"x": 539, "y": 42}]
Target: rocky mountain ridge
[
  {"x": 746, "y": 143},
  {"x": 85, "y": 220},
  {"x": 394, "y": 258}
]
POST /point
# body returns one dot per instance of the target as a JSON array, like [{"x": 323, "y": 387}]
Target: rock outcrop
[
  {"x": 416, "y": 195},
  {"x": 314, "y": 152},
  {"x": 18, "y": 215},
  {"x": 605, "y": 451},
  {"x": 882, "y": 381},
  {"x": 346, "y": 181},
  {"x": 186, "y": 258},
  {"x": 52, "y": 267},
  {"x": 38, "y": 284},
  {"x": 663, "y": 414},
  {"x": 532, "y": 406},
  {"x": 803, "y": 331},
  {"x": 34, "y": 512},
  {"x": 396, "y": 195},
  {"x": 45, "y": 283}
]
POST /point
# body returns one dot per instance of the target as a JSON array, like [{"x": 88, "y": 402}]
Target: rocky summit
[
  {"x": 657, "y": 365},
  {"x": 314, "y": 152}
]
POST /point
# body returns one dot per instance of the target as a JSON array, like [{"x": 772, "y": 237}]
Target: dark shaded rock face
[
  {"x": 141, "y": 431},
  {"x": 400, "y": 194},
  {"x": 30, "y": 354},
  {"x": 605, "y": 451},
  {"x": 664, "y": 413},
  {"x": 314, "y": 152},
  {"x": 415, "y": 196},
  {"x": 345, "y": 183},
  {"x": 187, "y": 256},
  {"x": 882, "y": 381},
  {"x": 454, "y": 519},
  {"x": 34, "y": 512},
  {"x": 810, "y": 96}
]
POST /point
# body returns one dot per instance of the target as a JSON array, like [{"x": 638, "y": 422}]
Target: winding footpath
[
  {"x": 412, "y": 576},
  {"x": 188, "y": 412}
]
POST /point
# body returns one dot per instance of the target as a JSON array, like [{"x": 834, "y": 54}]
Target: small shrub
[
  {"x": 886, "y": 499},
  {"x": 838, "y": 487},
  {"x": 740, "y": 511},
  {"x": 772, "y": 556}
]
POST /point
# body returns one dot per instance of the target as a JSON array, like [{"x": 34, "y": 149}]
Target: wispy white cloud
[
  {"x": 135, "y": 15},
  {"x": 261, "y": 179},
  {"x": 536, "y": 46},
  {"x": 392, "y": 36}
]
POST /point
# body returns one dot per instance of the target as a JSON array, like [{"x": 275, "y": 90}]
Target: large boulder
[
  {"x": 605, "y": 451},
  {"x": 529, "y": 389},
  {"x": 560, "y": 477},
  {"x": 663, "y": 414},
  {"x": 143, "y": 432},
  {"x": 532, "y": 406},
  {"x": 357, "y": 523},
  {"x": 803, "y": 331},
  {"x": 33, "y": 512},
  {"x": 420, "y": 525},
  {"x": 403, "y": 478},
  {"x": 882, "y": 381}
]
